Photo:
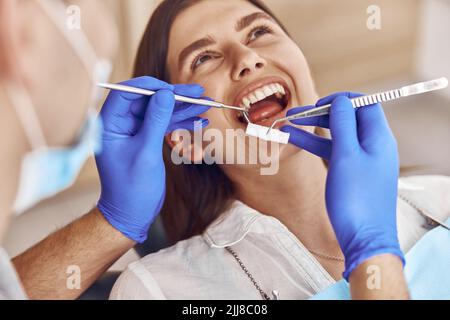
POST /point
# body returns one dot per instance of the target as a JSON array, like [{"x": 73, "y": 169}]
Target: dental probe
[
  {"x": 202, "y": 102},
  {"x": 368, "y": 100}
]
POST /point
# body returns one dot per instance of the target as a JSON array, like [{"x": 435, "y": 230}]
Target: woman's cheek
[
  {"x": 217, "y": 119},
  {"x": 295, "y": 64},
  {"x": 291, "y": 58}
]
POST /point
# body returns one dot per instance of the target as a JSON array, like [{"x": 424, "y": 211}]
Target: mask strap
[
  {"x": 80, "y": 44},
  {"x": 21, "y": 101},
  {"x": 98, "y": 69},
  {"x": 83, "y": 48},
  {"x": 21, "y": 98}
]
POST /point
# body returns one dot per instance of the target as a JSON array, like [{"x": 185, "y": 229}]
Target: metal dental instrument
[
  {"x": 202, "y": 102},
  {"x": 246, "y": 116},
  {"x": 368, "y": 100}
]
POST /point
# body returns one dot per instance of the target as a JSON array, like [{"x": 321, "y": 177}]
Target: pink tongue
[{"x": 265, "y": 109}]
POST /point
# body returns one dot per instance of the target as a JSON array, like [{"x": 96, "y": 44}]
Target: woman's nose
[{"x": 247, "y": 61}]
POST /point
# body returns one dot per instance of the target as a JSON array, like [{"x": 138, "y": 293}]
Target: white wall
[{"x": 433, "y": 59}]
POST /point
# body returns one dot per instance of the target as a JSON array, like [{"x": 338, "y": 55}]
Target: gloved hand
[
  {"x": 131, "y": 166},
  {"x": 361, "y": 188}
]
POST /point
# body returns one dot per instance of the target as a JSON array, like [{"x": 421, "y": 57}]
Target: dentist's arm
[
  {"x": 132, "y": 178},
  {"x": 379, "y": 278},
  {"x": 361, "y": 193},
  {"x": 89, "y": 243}
]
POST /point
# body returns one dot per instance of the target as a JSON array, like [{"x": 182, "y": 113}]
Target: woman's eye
[
  {"x": 259, "y": 32},
  {"x": 202, "y": 58}
]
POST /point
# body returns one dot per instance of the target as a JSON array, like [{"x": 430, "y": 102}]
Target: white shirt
[
  {"x": 201, "y": 267},
  {"x": 10, "y": 286}
]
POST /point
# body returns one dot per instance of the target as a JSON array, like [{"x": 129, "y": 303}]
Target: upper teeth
[{"x": 262, "y": 93}]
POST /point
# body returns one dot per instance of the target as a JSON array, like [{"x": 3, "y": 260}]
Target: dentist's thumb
[
  {"x": 157, "y": 117},
  {"x": 343, "y": 125}
]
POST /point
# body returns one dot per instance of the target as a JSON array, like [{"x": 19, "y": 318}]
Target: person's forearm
[
  {"x": 379, "y": 278},
  {"x": 90, "y": 244}
]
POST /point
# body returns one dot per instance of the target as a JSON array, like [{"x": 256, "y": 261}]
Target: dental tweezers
[{"x": 202, "y": 102}]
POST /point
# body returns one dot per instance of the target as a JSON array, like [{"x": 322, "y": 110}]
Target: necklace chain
[
  {"x": 265, "y": 296},
  {"x": 326, "y": 256},
  {"x": 247, "y": 272}
]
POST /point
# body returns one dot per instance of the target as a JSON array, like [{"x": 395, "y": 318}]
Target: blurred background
[{"x": 411, "y": 45}]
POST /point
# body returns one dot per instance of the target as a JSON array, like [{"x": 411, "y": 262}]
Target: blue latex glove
[
  {"x": 131, "y": 166},
  {"x": 361, "y": 188}
]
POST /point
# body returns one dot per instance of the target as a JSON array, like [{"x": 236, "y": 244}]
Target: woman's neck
[{"x": 295, "y": 196}]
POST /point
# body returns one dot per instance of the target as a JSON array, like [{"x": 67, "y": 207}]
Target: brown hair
[{"x": 196, "y": 194}]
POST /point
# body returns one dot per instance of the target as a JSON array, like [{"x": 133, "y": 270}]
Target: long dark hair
[{"x": 196, "y": 194}]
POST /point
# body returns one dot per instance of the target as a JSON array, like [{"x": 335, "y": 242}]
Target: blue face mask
[{"x": 47, "y": 171}]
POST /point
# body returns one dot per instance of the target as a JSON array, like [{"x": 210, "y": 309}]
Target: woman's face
[{"x": 240, "y": 55}]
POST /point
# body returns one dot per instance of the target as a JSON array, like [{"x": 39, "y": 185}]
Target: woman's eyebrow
[
  {"x": 243, "y": 23},
  {"x": 204, "y": 42}
]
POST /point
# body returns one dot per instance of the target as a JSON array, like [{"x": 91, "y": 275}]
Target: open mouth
[{"x": 265, "y": 104}]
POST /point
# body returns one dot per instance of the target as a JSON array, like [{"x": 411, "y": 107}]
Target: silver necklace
[
  {"x": 275, "y": 294},
  {"x": 430, "y": 221},
  {"x": 265, "y": 296}
]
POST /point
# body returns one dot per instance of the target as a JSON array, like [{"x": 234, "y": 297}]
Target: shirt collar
[{"x": 232, "y": 226}]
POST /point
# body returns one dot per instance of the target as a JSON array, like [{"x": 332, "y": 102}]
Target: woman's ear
[{"x": 184, "y": 146}]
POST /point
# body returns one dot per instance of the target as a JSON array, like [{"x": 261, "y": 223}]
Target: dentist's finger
[
  {"x": 343, "y": 126},
  {"x": 319, "y": 121},
  {"x": 157, "y": 117},
  {"x": 192, "y": 124},
  {"x": 312, "y": 143},
  {"x": 185, "y": 110},
  {"x": 373, "y": 127},
  {"x": 145, "y": 82},
  {"x": 189, "y": 90},
  {"x": 188, "y": 111},
  {"x": 120, "y": 104},
  {"x": 329, "y": 99},
  {"x": 181, "y": 111}
]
